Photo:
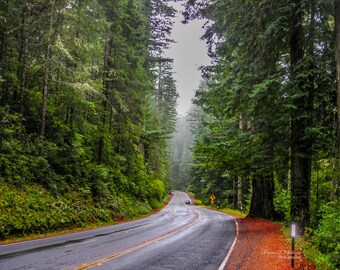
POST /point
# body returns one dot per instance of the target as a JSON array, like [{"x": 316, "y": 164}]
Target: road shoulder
[{"x": 261, "y": 245}]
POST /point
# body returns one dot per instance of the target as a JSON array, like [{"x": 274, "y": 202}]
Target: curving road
[{"x": 179, "y": 237}]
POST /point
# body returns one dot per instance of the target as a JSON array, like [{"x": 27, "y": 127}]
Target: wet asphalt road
[{"x": 179, "y": 237}]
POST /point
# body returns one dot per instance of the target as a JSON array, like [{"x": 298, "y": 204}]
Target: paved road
[{"x": 179, "y": 237}]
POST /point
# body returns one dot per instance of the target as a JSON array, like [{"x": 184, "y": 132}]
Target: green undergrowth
[
  {"x": 312, "y": 253},
  {"x": 224, "y": 210},
  {"x": 32, "y": 210},
  {"x": 234, "y": 212},
  {"x": 193, "y": 198},
  {"x": 321, "y": 245}
]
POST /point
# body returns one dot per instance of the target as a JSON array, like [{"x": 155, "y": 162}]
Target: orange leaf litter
[{"x": 261, "y": 246}]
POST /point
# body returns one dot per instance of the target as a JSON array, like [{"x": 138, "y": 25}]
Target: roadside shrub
[
  {"x": 320, "y": 260},
  {"x": 156, "y": 189},
  {"x": 327, "y": 234},
  {"x": 282, "y": 202},
  {"x": 32, "y": 209},
  {"x": 198, "y": 202}
]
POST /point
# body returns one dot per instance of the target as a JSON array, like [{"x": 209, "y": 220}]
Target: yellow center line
[{"x": 142, "y": 245}]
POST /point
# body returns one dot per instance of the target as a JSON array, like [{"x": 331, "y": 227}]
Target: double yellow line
[{"x": 142, "y": 245}]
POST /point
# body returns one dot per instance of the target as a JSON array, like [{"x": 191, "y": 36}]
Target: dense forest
[
  {"x": 87, "y": 105},
  {"x": 180, "y": 149},
  {"x": 267, "y": 140}
]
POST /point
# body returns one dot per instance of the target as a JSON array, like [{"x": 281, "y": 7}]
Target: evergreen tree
[
  {"x": 77, "y": 94},
  {"x": 336, "y": 180},
  {"x": 272, "y": 77}
]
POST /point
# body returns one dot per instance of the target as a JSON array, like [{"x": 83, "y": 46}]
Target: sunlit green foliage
[
  {"x": 78, "y": 104},
  {"x": 33, "y": 209}
]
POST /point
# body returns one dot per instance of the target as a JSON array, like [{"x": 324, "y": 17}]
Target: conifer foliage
[
  {"x": 267, "y": 140},
  {"x": 79, "y": 107}
]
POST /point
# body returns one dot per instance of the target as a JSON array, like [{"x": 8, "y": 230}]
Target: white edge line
[
  {"x": 166, "y": 205},
  {"x": 222, "y": 266}
]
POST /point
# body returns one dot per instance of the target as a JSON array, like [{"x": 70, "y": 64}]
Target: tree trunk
[
  {"x": 262, "y": 205},
  {"x": 239, "y": 193},
  {"x": 336, "y": 179},
  {"x": 300, "y": 144},
  {"x": 47, "y": 72},
  {"x": 23, "y": 54},
  {"x": 235, "y": 192},
  {"x": 238, "y": 184},
  {"x": 159, "y": 90},
  {"x": 106, "y": 71},
  {"x": 3, "y": 58},
  {"x": 262, "y": 200}
]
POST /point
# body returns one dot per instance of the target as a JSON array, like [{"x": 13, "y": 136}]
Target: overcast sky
[{"x": 189, "y": 52}]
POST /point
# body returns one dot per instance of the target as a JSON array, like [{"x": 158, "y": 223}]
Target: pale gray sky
[{"x": 189, "y": 52}]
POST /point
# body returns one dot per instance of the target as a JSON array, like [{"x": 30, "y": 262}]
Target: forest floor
[{"x": 261, "y": 245}]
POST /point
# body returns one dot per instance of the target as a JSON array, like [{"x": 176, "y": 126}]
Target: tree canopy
[
  {"x": 80, "y": 97},
  {"x": 267, "y": 140}
]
